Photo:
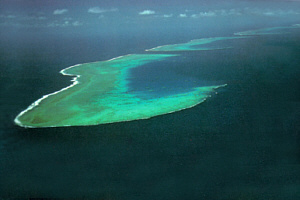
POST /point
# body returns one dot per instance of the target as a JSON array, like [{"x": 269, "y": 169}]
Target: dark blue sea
[{"x": 241, "y": 144}]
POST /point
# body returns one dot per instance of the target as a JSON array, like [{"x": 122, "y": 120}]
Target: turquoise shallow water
[
  {"x": 100, "y": 93},
  {"x": 240, "y": 144}
]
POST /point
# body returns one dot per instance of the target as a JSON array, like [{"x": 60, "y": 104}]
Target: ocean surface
[{"x": 242, "y": 143}]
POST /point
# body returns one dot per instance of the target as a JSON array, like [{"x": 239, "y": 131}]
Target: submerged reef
[
  {"x": 268, "y": 31},
  {"x": 194, "y": 45},
  {"x": 99, "y": 95}
]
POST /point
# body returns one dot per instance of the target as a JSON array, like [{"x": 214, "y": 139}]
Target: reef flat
[
  {"x": 99, "y": 95},
  {"x": 194, "y": 45},
  {"x": 268, "y": 31}
]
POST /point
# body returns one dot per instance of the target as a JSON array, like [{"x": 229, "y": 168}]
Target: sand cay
[{"x": 99, "y": 95}]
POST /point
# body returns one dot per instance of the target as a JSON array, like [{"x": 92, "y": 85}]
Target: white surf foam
[{"x": 75, "y": 82}]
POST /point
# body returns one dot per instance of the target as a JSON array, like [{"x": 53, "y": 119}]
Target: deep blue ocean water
[{"x": 243, "y": 143}]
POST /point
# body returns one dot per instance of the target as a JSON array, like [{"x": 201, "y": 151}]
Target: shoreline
[
  {"x": 144, "y": 118},
  {"x": 75, "y": 82},
  {"x": 37, "y": 102}
]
